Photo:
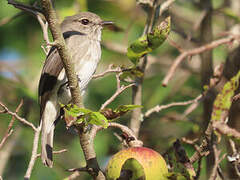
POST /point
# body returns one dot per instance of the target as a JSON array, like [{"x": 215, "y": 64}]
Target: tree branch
[
  {"x": 192, "y": 52},
  {"x": 22, "y": 120},
  {"x": 218, "y": 160},
  {"x": 135, "y": 121},
  {"x": 34, "y": 153},
  {"x": 159, "y": 108},
  {"x": 9, "y": 130},
  {"x": 110, "y": 69},
  {"x": 119, "y": 90},
  {"x": 54, "y": 26}
]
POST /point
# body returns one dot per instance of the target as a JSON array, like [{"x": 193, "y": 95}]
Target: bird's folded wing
[{"x": 52, "y": 67}]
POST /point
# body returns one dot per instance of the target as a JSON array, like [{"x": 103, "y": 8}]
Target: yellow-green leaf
[{"x": 149, "y": 42}]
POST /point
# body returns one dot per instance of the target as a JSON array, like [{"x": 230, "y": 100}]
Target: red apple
[{"x": 147, "y": 162}]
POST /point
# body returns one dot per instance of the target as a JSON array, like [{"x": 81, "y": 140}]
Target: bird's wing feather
[{"x": 52, "y": 67}]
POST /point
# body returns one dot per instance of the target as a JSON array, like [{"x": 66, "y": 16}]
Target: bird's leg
[{"x": 66, "y": 83}]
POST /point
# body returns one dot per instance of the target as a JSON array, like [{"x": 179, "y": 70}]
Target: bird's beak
[{"x": 105, "y": 23}]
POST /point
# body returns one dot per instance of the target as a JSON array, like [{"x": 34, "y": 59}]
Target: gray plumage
[{"x": 82, "y": 33}]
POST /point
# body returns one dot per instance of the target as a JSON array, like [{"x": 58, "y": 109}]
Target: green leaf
[
  {"x": 149, "y": 42},
  {"x": 131, "y": 73},
  {"x": 138, "y": 49},
  {"x": 223, "y": 100},
  {"x": 80, "y": 115},
  {"x": 126, "y": 108},
  {"x": 98, "y": 119},
  {"x": 159, "y": 34}
]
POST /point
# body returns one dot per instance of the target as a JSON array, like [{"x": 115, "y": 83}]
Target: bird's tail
[{"x": 47, "y": 138}]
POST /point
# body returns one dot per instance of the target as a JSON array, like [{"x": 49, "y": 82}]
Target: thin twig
[
  {"x": 110, "y": 69},
  {"x": 22, "y": 120},
  {"x": 195, "y": 51},
  {"x": 34, "y": 153},
  {"x": 24, "y": 7},
  {"x": 73, "y": 176},
  {"x": 223, "y": 128},
  {"x": 9, "y": 130},
  {"x": 77, "y": 169},
  {"x": 117, "y": 93},
  {"x": 133, "y": 142},
  {"x": 159, "y": 108},
  {"x": 119, "y": 90},
  {"x": 44, "y": 25},
  {"x": 164, "y": 6},
  {"x": 200, "y": 152},
  {"x": 55, "y": 152},
  {"x": 218, "y": 160},
  {"x": 198, "y": 169},
  {"x": 9, "y": 19},
  {"x": 234, "y": 159},
  {"x": 135, "y": 121}
]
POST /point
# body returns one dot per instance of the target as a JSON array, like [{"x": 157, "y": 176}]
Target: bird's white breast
[{"x": 85, "y": 65}]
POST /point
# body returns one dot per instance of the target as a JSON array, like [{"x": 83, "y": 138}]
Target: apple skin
[{"x": 153, "y": 164}]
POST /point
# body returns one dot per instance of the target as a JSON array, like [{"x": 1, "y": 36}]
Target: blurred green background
[{"x": 22, "y": 58}]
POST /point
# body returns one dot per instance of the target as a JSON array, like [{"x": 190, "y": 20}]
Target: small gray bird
[{"x": 82, "y": 33}]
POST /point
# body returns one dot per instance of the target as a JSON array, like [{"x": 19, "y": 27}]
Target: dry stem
[
  {"x": 195, "y": 51},
  {"x": 13, "y": 114},
  {"x": 159, "y": 108},
  {"x": 9, "y": 130}
]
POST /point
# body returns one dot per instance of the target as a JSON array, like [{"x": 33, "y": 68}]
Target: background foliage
[{"x": 21, "y": 60}]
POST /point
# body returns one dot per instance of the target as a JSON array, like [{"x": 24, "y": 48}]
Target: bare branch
[
  {"x": 110, "y": 69},
  {"x": 218, "y": 160},
  {"x": 164, "y": 6},
  {"x": 234, "y": 159},
  {"x": 34, "y": 153},
  {"x": 24, "y": 7},
  {"x": 223, "y": 128},
  {"x": 198, "y": 169},
  {"x": 135, "y": 121},
  {"x": 129, "y": 136},
  {"x": 200, "y": 152},
  {"x": 73, "y": 176},
  {"x": 77, "y": 169},
  {"x": 22, "y": 120},
  {"x": 195, "y": 51},
  {"x": 119, "y": 90},
  {"x": 8, "y": 148},
  {"x": 159, "y": 108},
  {"x": 44, "y": 25},
  {"x": 9, "y": 19},
  {"x": 56, "y": 152},
  {"x": 9, "y": 130}
]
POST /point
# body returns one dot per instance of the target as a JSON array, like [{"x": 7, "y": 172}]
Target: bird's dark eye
[{"x": 84, "y": 21}]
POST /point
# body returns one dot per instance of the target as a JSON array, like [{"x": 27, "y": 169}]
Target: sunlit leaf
[
  {"x": 126, "y": 108},
  {"x": 223, "y": 100},
  {"x": 149, "y": 42},
  {"x": 98, "y": 119},
  {"x": 80, "y": 115}
]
